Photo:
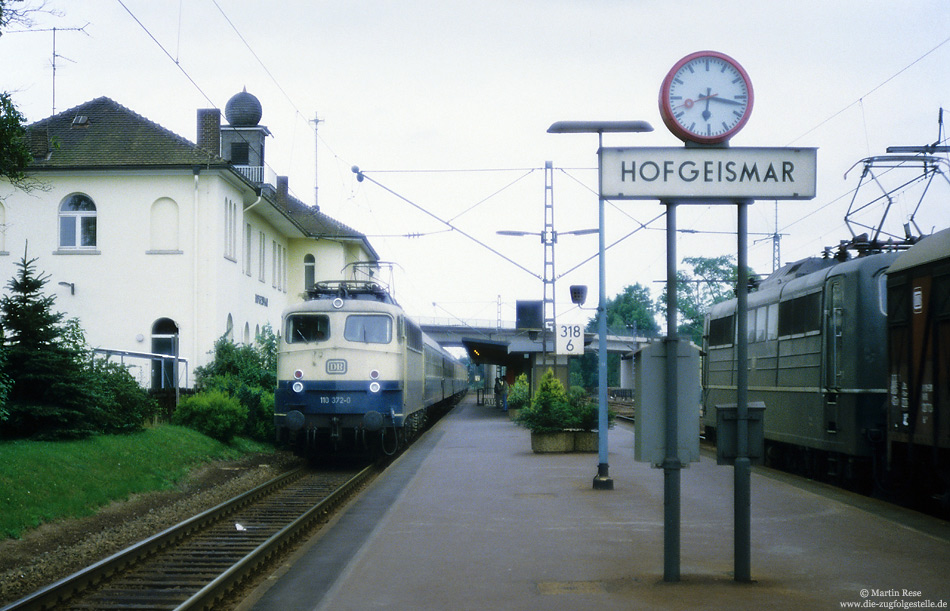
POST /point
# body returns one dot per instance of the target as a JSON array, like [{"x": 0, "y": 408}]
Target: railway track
[{"x": 197, "y": 562}]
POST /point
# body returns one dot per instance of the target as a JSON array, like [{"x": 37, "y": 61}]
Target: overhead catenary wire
[
  {"x": 273, "y": 78},
  {"x": 362, "y": 176}
]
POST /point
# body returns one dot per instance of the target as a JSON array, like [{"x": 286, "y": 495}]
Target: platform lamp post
[{"x": 602, "y": 480}]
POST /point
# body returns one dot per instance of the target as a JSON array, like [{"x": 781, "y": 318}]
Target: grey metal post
[
  {"x": 743, "y": 466},
  {"x": 602, "y": 480},
  {"x": 671, "y": 461}
]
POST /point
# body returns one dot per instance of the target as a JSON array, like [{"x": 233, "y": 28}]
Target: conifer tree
[{"x": 49, "y": 396}]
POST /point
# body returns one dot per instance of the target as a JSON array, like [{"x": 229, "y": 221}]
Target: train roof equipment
[
  {"x": 927, "y": 162},
  {"x": 350, "y": 289}
]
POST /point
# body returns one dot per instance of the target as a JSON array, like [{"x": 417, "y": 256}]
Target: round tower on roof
[{"x": 243, "y": 110}]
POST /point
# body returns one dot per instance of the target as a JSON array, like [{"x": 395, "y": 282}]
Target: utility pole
[
  {"x": 549, "y": 238},
  {"x": 316, "y": 173}
]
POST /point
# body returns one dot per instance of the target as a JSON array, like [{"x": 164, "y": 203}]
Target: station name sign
[{"x": 675, "y": 173}]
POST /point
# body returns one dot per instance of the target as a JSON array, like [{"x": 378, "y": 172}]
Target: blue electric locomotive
[{"x": 356, "y": 374}]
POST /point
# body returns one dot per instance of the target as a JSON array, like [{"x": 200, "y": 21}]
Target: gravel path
[{"x": 56, "y": 550}]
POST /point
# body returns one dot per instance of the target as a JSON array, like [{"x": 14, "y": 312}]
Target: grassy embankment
[{"x": 42, "y": 481}]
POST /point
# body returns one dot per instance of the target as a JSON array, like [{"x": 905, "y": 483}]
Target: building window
[
  {"x": 309, "y": 272},
  {"x": 230, "y": 229},
  {"x": 240, "y": 153},
  {"x": 283, "y": 269},
  {"x": 262, "y": 264},
  {"x": 247, "y": 249},
  {"x": 77, "y": 222}
]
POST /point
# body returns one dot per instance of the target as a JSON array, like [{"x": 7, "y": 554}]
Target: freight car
[
  {"x": 918, "y": 336},
  {"x": 356, "y": 375}
]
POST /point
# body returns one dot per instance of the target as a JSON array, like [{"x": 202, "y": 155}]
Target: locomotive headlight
[
  {"x": 298, "y": 387},
  {"x": 374, "y": 387},
  {"x": 374, "y": 375},
  {"x": 298, "y": 375}
]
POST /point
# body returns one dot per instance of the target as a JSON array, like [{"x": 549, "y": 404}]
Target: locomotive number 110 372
[{"x": 334, "y": 400}]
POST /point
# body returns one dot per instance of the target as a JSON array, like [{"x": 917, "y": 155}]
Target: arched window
[
  {"x": 247, "y": 334},
  {"x": 77, "y": 222},
  {"x": 309, "y": 272},
  {"x": 229, "y": 332},
  {"x": 164, "y": 341},
  {"x": 164, "y": 226}
]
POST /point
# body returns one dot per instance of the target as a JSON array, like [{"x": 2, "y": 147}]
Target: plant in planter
[
  {"x": 519, "y": 396},
  {"x": 586, "y": 439},
  {"x": 549, "y": 417}
]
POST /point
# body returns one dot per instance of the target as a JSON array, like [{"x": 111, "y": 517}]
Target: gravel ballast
[{"x": 53, "y": 551}]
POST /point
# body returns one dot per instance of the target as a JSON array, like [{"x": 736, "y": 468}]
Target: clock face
[{"x": 706, "y": 98}]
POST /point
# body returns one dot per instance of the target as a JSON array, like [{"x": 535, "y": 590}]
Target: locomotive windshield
[
  {"x": 306, "y": 328},
  {"x": 368, "y": 328}
]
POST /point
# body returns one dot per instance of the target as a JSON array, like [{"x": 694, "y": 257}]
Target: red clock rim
[{"x": 666, "y": 113}]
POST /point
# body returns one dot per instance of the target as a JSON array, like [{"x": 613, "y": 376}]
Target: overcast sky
[{"x": 447, "y": 103}]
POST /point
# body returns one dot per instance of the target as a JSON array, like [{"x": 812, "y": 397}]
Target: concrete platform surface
[{"x": 469, "y": 518}]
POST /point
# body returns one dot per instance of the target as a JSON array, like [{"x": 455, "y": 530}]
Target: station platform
[{"x": 470, "y": 518}]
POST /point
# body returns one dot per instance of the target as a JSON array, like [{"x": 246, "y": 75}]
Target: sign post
[{"x": 705, "y": 99}]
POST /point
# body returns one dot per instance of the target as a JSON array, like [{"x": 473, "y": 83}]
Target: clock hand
[
  {"x": 706, "y": 113},
  {"x": 688, "y": 102},
  {"x": 728, "y": 101}
]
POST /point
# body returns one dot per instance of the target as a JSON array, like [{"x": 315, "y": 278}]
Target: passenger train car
[
  {"x": 831, "y": 344},
  {"x": 355, "y": 374}
]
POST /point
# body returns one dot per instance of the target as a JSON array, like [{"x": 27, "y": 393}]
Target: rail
[{"x": 196, "y": 591}]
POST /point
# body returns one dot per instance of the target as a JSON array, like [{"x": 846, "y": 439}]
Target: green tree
[
  {"x": 21, "y": 13},
  {"x": 15, "y": 156},
  {"x": 48, "y": 395},
  {"x": 631, "y": 312},
  {"x": 14, "y": 144},
  {"x": 709, "y": 280}
]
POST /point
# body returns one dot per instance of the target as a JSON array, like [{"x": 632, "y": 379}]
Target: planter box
[
  {"x": 560, "y": 441},
  {"x": 586, "y": 441}
]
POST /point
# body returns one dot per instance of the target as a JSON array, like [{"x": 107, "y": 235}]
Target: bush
[
  {"x": 550, "y": 410},
  {"x": 249, "y": 375},
  {"x": 125, "y": 406},
  {"x": 519, "y": 395},
  {"x": 584, "y": 409},
  {"x": 214, "y": 413}
]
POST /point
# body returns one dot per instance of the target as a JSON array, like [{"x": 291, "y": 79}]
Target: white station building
[{"x": 161, "y": 246}]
